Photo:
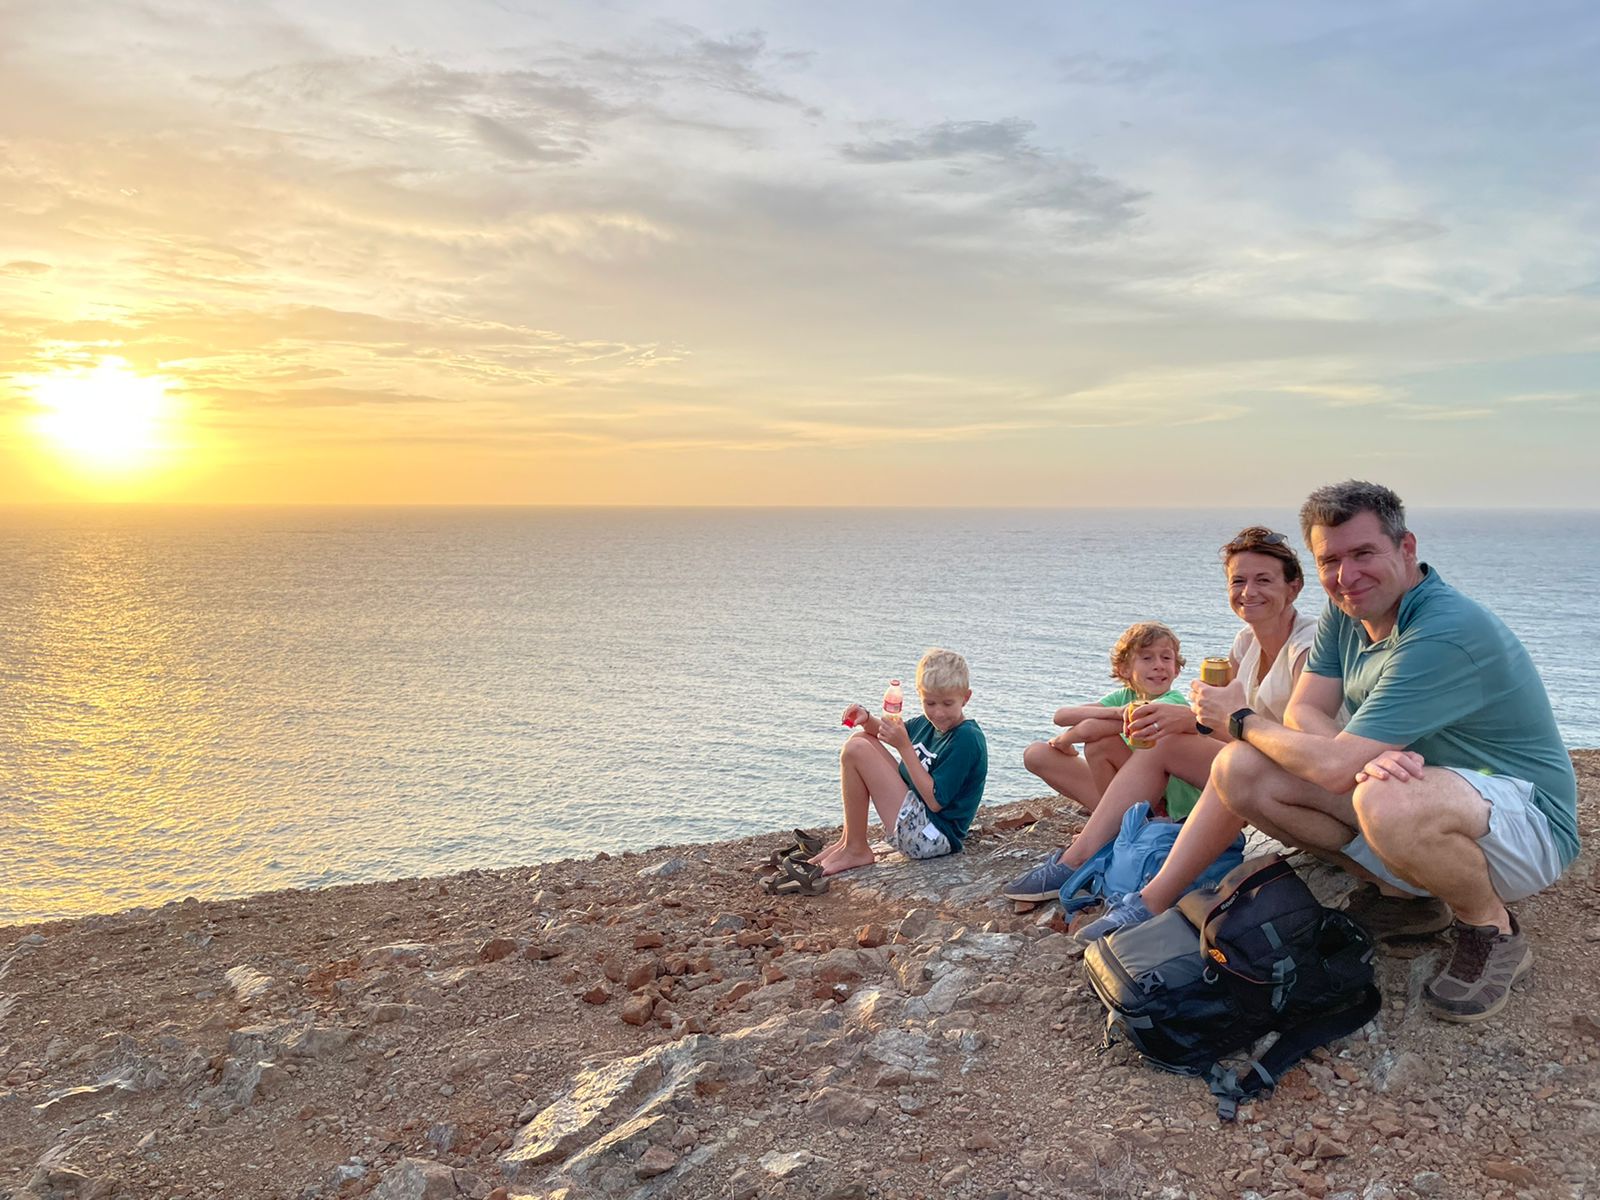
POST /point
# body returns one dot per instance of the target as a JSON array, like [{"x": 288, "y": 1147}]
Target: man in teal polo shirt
[{"x": 1448, "y": 788}]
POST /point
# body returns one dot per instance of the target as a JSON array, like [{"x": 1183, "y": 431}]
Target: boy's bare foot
[
  {"x": 822, "y": 856},
  {"x": 848, "y": 860}
]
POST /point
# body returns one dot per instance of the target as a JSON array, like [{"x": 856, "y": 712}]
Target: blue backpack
[{"x": 1132, "y": 860}]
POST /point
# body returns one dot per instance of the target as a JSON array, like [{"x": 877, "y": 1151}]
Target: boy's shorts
[
  {"x": 1520, "y": 848},
  {"x": 914, "y": 833}
]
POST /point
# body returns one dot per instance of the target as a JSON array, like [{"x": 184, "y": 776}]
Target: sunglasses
[{"x": 1258, "y": 536}]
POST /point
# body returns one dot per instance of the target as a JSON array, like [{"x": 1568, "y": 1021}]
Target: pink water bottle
[{"x": 894, "y": 700}]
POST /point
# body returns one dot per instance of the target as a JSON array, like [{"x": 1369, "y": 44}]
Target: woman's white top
[{"x": 1271, "y": 694}]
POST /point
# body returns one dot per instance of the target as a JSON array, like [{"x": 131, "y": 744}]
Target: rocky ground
[{"x": 655, "y": 1025}]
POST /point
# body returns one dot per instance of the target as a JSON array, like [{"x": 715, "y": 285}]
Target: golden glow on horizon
[{"x": 105, "y": 420}]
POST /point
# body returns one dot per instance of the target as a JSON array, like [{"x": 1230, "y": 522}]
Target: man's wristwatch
[{"x": 1236, "y": 722}]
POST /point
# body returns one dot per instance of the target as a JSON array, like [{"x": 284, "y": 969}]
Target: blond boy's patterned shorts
[{"x": 914, "y": 833}]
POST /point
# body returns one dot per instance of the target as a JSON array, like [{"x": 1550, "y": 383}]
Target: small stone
[
  {"x": 1015, "y": 822},
  {"x": 648, "y": 940},
  {"x": 975, "y": 1143},
  {"x": 786, "y": 1165},
  {"x": 838, "y": 966},
  {"x": 1428, "y": 1183},
  {"x": 664, "y": 870},
  {"x": 598, "y": 994},
  {"x": 639, "y": 975},
  {"x": 1389, "y": 1127},
  {"x": 495, "y": 949},
  {"x": 869, "y": 936},
  {"x": 248, "y": 984},
  {"x": 914, "y": 924},
  {"x": 1326, "y": 1147},
  {"x": 443, "y": 1137},
  {"x": 1510, "y": 1172},
  {"x": 838, "y": 1108},
  {"x": 656, "y": 1160},
  {"x": 638, "y": 1008},
  {"x": 738, "y": 992}
]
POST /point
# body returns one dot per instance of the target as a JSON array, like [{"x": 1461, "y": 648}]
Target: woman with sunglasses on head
[{"x": 1264, "y": 578}]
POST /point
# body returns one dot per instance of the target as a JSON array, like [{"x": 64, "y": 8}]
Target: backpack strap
[{"x": 1293, "y": 1044}]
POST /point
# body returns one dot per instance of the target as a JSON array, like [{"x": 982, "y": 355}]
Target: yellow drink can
[
  {"x": 1127, "y": 715},
  {"x": 1218, "y": 672}
]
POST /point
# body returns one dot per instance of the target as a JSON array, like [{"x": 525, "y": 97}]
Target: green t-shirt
[
  {"x": 959, "y": 763},
  {"x": 1180, "y": 795},
  {"x": 1453, "y": 684}
]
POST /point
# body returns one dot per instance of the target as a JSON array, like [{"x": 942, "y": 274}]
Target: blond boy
[{"x": 927, "y": 800}]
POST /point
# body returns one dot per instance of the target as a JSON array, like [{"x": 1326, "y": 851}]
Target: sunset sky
[{"x": 702, "y": 253}]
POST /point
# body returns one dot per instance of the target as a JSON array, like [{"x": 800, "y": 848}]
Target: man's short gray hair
[{"x": 1336, "y": 503}]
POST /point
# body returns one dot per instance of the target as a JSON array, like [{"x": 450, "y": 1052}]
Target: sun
[{"x": 106, "y": 419}]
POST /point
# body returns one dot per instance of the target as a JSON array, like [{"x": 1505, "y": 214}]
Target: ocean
[{"x": 214, "y": 702}]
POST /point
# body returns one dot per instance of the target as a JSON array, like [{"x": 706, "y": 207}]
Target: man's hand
[
  {"x": 1402, "y": 766},
  {"x": 891, "y": 731},
  {"x": 1212, "y": 705}
]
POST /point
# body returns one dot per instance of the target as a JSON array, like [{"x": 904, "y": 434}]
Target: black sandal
[
  {"x": 797, "y": 877},
  {"x": 805, "y": 845}
]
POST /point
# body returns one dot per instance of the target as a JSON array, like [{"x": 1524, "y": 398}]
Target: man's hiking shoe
[
  {"x": 1124, "y": 911},
  {"x": 1043, "y": 882},
  {"x": 1477, "y": 983},
  {"x": 1387, "y": 918}
]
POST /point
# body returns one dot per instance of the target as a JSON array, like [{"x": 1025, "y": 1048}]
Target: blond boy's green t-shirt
[{"x": 1180, "y": 795}]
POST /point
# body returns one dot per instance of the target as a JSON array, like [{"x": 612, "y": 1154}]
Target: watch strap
[{"x": 1236, "y": 722}]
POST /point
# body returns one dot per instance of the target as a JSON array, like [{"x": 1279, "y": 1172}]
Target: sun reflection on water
[{"x": 115, "y": 695}]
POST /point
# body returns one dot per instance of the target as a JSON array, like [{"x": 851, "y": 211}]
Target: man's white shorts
[{"x": 1521, "y": 849}]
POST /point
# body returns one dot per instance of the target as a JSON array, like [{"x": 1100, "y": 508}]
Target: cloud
[
  {"x": 1102, "y": 70},
  {"x": 999, "y": 164},
  {"x": 1441, "y": 412},
  {"x": 24, "y": 267},
  {"x": 731, "y": 64},
  {"x": 1344, "y": 395},
  {"x": 519, "y": 146},
  {"x": 1007, "y": 139}
]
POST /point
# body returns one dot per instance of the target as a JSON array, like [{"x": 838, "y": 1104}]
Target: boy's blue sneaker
[
  {"x": 1123, "y": 912},
  {"x": 1043, "y": 882}
]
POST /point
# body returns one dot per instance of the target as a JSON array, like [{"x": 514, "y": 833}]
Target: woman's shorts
[{"x": 914, "y": 833}]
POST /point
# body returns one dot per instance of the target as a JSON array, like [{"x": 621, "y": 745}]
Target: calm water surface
[{"x": 203, "y": 702}]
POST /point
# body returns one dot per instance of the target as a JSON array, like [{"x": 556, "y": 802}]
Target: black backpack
[{"x": 1212, "y": 976}]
